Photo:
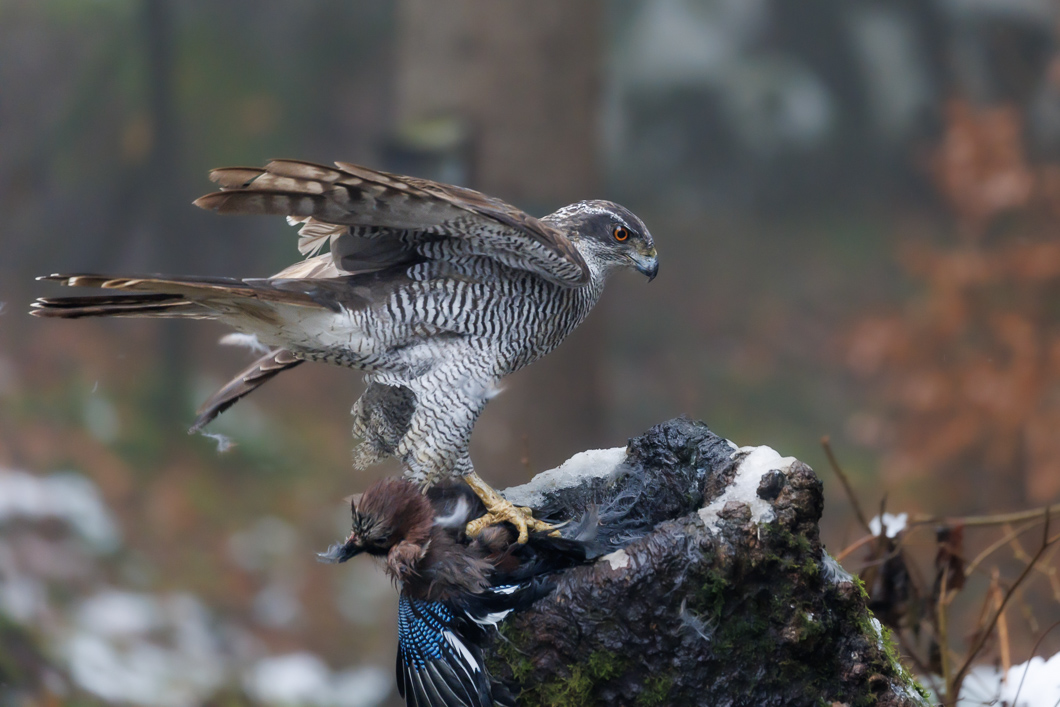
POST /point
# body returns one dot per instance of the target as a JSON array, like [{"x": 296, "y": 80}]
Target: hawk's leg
[{"x": 499, "y": 510}]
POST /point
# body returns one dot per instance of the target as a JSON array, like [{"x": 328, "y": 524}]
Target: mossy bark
[{"x": 706, "y": 608}]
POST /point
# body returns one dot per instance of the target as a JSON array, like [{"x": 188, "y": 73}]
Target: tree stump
[{"x": 726, "y": 597}]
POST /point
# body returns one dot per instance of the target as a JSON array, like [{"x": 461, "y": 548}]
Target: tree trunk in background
[
  {"x": 165, "y": 209},
  {"x": 524, "y": 81}
]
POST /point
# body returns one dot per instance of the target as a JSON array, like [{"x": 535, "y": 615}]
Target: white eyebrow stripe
[{"x": 583, "y": 207}]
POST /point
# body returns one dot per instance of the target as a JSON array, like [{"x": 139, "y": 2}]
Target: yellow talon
[{"x": 500, "y": 510}]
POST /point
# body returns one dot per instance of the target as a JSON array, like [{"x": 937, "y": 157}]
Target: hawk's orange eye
[{"x": 621, "y": 233}]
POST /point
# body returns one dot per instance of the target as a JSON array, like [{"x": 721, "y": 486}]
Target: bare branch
[
  {"x": 996, "y": 519},
  {"x": 1002, "y": 623},
  {"x": 865, "y": 540},
  {"x": 981, "y": 640},
  {"x": 943, "y": 639},
  {"x": 834, "y": 463},
  {"x": 1037, "y": 644},
  {"x": 995, "y": 546}
]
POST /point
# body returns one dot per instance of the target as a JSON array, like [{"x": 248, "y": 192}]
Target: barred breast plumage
[{"x": 435, "y": 292}]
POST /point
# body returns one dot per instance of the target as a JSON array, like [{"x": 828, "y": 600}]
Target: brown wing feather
[
  {"x": 193, "y": 288},
  {"x": 126, "y": 305},
  {"x": 421, "y": 210},
  {"x": 245, "y": 382}
]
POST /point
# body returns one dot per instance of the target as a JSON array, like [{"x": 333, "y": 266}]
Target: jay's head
[{"x": 388, "y": 512}]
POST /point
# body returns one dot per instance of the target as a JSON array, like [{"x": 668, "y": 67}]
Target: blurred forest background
[{"x": 855, "y": 205}]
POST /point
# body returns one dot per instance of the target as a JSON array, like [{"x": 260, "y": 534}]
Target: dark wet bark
[{"x": 722, "y": 611}]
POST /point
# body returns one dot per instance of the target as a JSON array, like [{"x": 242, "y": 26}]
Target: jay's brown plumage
[{"x": 451, "y": 586}]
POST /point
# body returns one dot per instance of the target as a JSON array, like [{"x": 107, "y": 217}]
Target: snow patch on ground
[
  {"x": 744, "y": 487},
  {"x": 618, "y": 559},
  {"x": 892, "y": 524},
  {"x": 594, "y": 463},
  {"x": 878, "y": 627},
  {"x": 304, "y": 679},
  {"x": 988, "y": 685},
  {"x": 110, "y": 651},
  {"x": 145, "y": 648},
  {"x": 66, "y": 497}
]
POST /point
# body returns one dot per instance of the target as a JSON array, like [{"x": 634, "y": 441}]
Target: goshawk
[{"x": 436, "y": 292}]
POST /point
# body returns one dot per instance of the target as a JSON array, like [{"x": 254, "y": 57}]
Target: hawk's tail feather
[
  {"x": 161, "y": 294},
  {"x": 131, "y": 305},
  {"x": 245, "y": 382},
  {"x": 159, "y": 284}
]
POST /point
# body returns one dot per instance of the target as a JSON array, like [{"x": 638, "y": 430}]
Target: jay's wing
[{"x": 438, "y": 661}]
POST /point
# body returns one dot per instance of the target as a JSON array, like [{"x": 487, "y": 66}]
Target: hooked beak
[{"x": 647, "y": 263}]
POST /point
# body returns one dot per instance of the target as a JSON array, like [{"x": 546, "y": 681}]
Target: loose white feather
[{"x": 247, "y": 341}]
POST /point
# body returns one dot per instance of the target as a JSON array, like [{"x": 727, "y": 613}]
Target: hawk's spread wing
[{"x": 374, "y": 219}]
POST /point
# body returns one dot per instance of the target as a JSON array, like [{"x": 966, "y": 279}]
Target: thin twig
[
  {"x": 1054, "y": 580},
  {"x": 827, "y": 444},
  {"x": 943, "y": 639},
  {"x": 1017, "y": 550},
  {"x": 972, "y": 566},
  {"x": 1002, "y": 623},
  {"x": 1028, "y": 616},
  {"x": 1027, "y": 667},
  {"x": 995, "y": 546},
  {"x": 981, "y": 639},
  {"x": 984, "y": 609},
  {"x": 1045, "y": 567},
  {"x": 865, "y": 540},
  {"x": 999, "y": 519}
]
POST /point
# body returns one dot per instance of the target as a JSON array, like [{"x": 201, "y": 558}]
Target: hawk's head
[{"x": 609, "y": 234}]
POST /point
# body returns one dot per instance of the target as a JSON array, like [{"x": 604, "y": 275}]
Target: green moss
[
  {"x": 751, "y": 604},
  {"x": 656, "y": 691},
  {"x": 890, "y": 648},
  {"x": 862, "y": 592},
  {"x": 810, "y": 567},
  {"x": 810, "y": 629},
  {"x": 521, "y": 667},
  {"x": 710, "y": 597},
  {"x": 605, "y": 665},
  {"x": 793, "y": 552},
  {"x": 578, "y": 688},
  {"x": 574, "y": 691},
  {"x": 516, "y": 661}
]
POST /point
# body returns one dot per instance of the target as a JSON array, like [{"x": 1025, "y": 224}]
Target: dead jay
[{"x": 452, "y": 588}]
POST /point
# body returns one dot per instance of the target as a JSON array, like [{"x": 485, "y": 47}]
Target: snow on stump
[{"x": 728, "y": 599}]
